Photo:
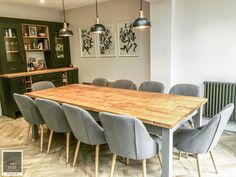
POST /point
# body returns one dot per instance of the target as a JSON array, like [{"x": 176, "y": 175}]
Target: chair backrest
[
  {"x": 127, "y": 136},
  {"x": 28, "y": 109},
  {"x": 208, "y": 136},
  {"x": 100, "y": 82},
  {"x": 124, "y": 84},
  {"x": 185, "y": 90},
  {"x": 53, "y": 115},
  {"x": 152, "y": 86},
  {"x": 83, "y": 125},
  {"x": 42, "y": 85}
]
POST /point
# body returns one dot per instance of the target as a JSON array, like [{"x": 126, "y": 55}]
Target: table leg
[
  {"x": 167, "y": 150},
  {"x": 198, "y": 118}
]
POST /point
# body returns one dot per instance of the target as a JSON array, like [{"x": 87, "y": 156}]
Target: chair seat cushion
[{"x": 183, "y": 134}]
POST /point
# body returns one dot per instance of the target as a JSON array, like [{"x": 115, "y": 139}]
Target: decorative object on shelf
[
  {"x": 87, "y": 43},
  {"x": 107, "y": 42},
  {"x": 128, "y": 39},
  {"x": 36, "y": 64},
  {"x": 32, "y": 31},
  {"x": 97, "y": 27},
  {"x": 141, "y": 22},
  {"x": 65, "y": 31}
]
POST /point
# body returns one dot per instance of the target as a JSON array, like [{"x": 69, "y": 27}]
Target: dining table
[{"x": 166, "y": 111}]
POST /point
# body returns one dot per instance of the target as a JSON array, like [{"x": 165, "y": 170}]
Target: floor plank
[{"x": 36, "y": 164}]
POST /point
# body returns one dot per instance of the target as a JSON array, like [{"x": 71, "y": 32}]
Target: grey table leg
[
  {"x": 167, "y": 150},
  {"x": 198, "y": 118}
]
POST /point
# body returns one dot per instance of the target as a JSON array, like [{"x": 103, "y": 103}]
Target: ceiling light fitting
[
  {"x": 97, "y": 27},
  {"x": 141, "y": 22},
  {"x": 65, "y": 31}
]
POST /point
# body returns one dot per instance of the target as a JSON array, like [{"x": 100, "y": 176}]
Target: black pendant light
[
  {"x": 65, "y": 31},
  {"x": 141, "y": 22},
  {"x": 97, "y": 27}
]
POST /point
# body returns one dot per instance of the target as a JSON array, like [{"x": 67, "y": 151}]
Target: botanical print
[
  {"x": 107, "y": 42},
  {"x": 87, "y": 43},
  {"x": 128, "y": 40}
]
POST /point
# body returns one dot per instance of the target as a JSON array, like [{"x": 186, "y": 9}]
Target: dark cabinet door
[
  {"x": 60, "y": 48},
  {"x": 12, "y": 53},
  {"x": 8, "y": 87},
  {"x": 55, "y": 78},
  {"x": 73, "y": 77}
]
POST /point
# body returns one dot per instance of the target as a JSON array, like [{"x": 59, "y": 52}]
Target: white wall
[
  {"x": 161, "y": 41},
  {"x": 29, "y": 12},
  {"x": 136, "y": 69},
  {"x": 203, "y": 41}
]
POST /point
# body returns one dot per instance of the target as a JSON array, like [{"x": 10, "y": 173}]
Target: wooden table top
[{"x": 162, "y": 110}]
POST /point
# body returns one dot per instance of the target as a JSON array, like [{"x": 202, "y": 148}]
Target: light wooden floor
[{"x": 36, "y": 164}]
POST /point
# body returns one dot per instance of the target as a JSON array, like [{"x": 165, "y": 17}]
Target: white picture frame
[
  {"x": 107, "y": 43},
  {"x": 128, "y": 39},
  {"x": 88, "y": 43}
]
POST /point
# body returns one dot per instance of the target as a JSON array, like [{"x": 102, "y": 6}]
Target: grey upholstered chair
[
  {"x": 30, "y": 113},
  {"x": 124, "y": 84},
  {"x": 42, "y": 85},
  {"x": 100, "y": 82},
  {"x": 85, "y": 129},
  {"x": 55, "y": 119},
  {"x": 186, "y": 90},
  {"x": 152, "y": 86},
  {"x": 127, "y": 137},
  {"x": 205, "y": 138}
]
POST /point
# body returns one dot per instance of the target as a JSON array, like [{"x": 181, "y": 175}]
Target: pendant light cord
[
  {"x": 97, "y": 8},
  {"x": 64, "y": 11},
  {"x": 141, "y": 4}
]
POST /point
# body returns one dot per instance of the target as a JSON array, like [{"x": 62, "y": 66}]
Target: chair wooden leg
[
  {"x": 67, "y": 146},
  {"x": 159, "y": 159},
  {"x": 113, "y": 165},
  {"x": 127, "y": 161},
  {"x": 76, "y": 152},
  {"x": 41, "y": 139},
  {"x": 144, "y": 168},
  {"x": 179, "y": 156},
  {"x": 96, "y": 160},
  {"x": 28, "y": 133},
  {"x": 50, "y": 140},
  {"x": 212, "y": 158},
  {"x": 198, "y": 165}
]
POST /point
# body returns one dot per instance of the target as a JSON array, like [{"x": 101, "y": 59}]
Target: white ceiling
[{"x": 55, "y": 4}]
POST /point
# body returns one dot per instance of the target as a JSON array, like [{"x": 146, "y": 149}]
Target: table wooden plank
[{"x": 162, "y": 110}]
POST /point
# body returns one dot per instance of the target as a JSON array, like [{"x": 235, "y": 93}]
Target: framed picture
[
  {"x": 32, "y": 31},
  {"x": 87, "y": 43},
  {"x": 128, "y": 39},
  {"x": 107, "y": 42}
]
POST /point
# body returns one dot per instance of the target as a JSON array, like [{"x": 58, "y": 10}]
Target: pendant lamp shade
[
  {"x": 97, "y": 27},
  {"x": 141, "y": 22},
  {"x": 65, "y": 31}
]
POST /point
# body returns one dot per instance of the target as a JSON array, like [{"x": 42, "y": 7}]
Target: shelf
[
  {"x": 10, "y": 37},
  {"x": 12, "y": 51},
  {"x": 37, "y": 50},
  {"x": 35, "y": 37}
]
